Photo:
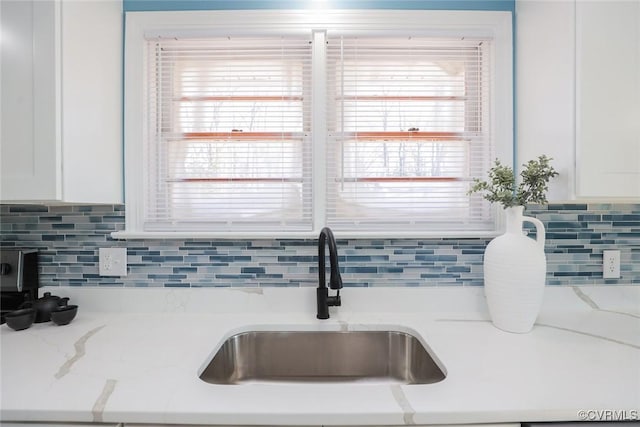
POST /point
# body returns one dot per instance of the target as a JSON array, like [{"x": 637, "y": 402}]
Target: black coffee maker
[{"x": 18, "y": 279}]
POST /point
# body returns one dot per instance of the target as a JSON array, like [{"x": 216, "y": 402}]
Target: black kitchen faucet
[{"x": 335, "y": 281}]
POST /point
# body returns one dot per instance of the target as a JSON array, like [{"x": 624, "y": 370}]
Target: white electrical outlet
[
  {"x": 112, "y": 261},
  {"x": 611, "y": 264}
]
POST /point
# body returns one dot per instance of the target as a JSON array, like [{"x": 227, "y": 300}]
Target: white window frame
[{"x": 141, "y": 25}]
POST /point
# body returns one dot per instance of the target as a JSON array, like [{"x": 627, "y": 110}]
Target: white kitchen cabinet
[
  {"x": 61, "y": 110},
  {"x": 545, "y": 94},
  {"x": 463, "y": 425},
  {"x": 578, "y": 94},
  {"x": 45, "y": 424},
  {"x": 608, "y": 99},
  {"x": 311, "y": 424}
]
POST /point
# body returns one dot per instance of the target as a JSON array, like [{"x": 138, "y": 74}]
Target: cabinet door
[
  {"x": 61, "y": 116},
  {"x": 45, "y": 424},
  {"x": 91, "y": 37},
  {"x": 30, "y": 134},
  {"x": 608, "y": 98}
]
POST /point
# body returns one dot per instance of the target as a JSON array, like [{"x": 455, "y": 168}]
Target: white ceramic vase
[{"x": 515, "y": 267}]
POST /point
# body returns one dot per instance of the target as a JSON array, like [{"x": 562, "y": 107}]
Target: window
[
  {"x": 229, "y": 133},
  {"x": 274, "y": 124},
  {"x": 410, "y": 128}
]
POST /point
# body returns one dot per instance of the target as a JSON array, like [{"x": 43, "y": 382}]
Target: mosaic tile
[{"x": 68, "y": 238}]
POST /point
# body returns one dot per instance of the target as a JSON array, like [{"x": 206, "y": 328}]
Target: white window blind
[
  {"x": 274, "y": 124},
  {"x": 409, "y": 122},
  {"x": 228, "y": 134}
]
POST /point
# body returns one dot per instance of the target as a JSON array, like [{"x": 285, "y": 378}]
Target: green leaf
[{"x": 501, "y": 186}]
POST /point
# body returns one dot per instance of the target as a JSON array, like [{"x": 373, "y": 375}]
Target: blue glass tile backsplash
[{"x": 68, "y": 238}]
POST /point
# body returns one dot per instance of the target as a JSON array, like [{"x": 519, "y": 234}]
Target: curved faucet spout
[{"x": 335, "y": 280}]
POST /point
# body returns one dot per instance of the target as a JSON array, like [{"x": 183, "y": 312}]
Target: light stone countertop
[{"x": 134, "y": 356}]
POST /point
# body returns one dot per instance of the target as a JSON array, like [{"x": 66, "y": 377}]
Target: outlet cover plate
[
  {"x": 112, "y": 261},
  {"x": 611, "y": 264}
]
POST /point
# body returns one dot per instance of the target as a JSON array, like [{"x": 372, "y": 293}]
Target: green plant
[{"x": 502, "y": 188}]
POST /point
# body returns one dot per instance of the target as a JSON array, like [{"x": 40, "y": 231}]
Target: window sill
[{"x": 271, "y": 235}]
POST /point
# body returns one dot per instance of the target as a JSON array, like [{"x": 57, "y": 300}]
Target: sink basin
[{"x": 322, "y": 357}]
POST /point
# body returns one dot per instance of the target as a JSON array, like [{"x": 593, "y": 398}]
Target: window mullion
[{"x": 319, "y": 127}]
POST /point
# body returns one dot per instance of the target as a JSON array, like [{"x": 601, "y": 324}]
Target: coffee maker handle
[{"x": 5, "y": 269}]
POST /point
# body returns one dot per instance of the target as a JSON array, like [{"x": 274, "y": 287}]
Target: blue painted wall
[{"x": 150, "y": 5}]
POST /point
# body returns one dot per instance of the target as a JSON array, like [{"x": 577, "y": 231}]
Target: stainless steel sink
[{"x": 322, "y": 357}]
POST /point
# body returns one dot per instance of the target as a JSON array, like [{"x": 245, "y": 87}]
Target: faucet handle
[{"x": 334, "y": 301}]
